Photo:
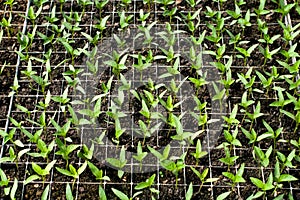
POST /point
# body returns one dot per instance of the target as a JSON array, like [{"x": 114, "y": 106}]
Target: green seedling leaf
[
  {"x": 189, "y": 193},
  {"x": 46, "y": 193},
  {"x": 14, "y": 189},
  {"x": 223, "y": 195},
  {"x": 31, "y": 178},
  {"x": 69, "y": 194},
  {"x": 120, "y": 194},
  {"x": 102, "y": 194}
]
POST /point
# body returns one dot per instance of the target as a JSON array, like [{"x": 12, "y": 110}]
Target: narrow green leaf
[
  {"x": 45, "y": 193},
  {"x": 102, "y": 194},
  {"x": 223, "y": 195},
  {"x": 69, "y": 194}
]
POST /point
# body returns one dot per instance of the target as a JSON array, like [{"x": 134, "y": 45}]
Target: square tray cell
[{"x": 4, "y": 105}]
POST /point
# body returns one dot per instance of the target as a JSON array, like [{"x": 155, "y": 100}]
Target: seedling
[
  {"x": 147, "y": 184},
  {"x": 175, "y": 166},
  {"x": 44, "y": 105},
  {"x": 256, "y": 114},
  {"x": 234, "y": 39},
  {"x": 163, "y": 156},
  {"x": 13, "y": 157},
  {"x": 201, "y": 118},
  {"x": 261, "y": 9},
  {"x": 247, "y": 79},
  {"x": 42, "y": 173},
  {"x": 46, "y": 39},
  {"x": 202, "y": 177},
  {"x": 168, "y": 104},
  {"x": 42, "y": 82},
  {"x": 61, "y": 131},
  {"x": 91, "y": 113},
  {"x": 72, "y": 51},
  {"x": 32, "y": 16},
  {"x": 101, "y": 26},
  {"x": 244, "y": 22},
  {"x": 124, "y": 20},
  {"x": 125, "y": 3},
  {"x": 234, "y": 14},
  {"x": 293, "y": 69},
  {"x": 238, "y": 178},
  {"x": 280, "y": 178},
  {"x": 270, "y": 134},
  {"x": 4, "y": 182},
  {"x": 141, "y": 65},
  {"x": 266, "y": 82},
  {"x": 8, "y": 190},
  {"x": 231, "y": 139},
  {"x": 14, "y": 87},
  {"x": 198, "y": 83},
  {"x": 210, "y": 13},
  {"x": 123, "y": 196},
  {"x": 145, "y": 130},
  {"x": 199, "y": 153},
  {"x": 10, "y": 3},
  {"x": 262, "y": 157},
  {"x": 219, "y": 95},
  {"x": 100, "y": 5},
  {"x": 228, "y": 159},
  {"x": 245, "y": 104},
  {"x": 193, "y": 3},
  {"x": 286, "y": 161},
  {"x": 183, "y": 136},
  {"x": 231, "y": 120},
  {"x": 52, "y": 18},
  {"x": 251, "y": 135},
  {"x": 140, "y": 155},
  {"x": 39, "y": 3},
  {"x": 227, "y": 82},
  {"x": 63, "y": 99},
  {"x": 281, "y": 102},
  {"x": 170, "y": 13},
  {"x": 41, "y": 122},
  {"x": 172, "y": 70},
  {"x": 284, "y": 9},
  {"x": 98, "y": 173},
  {"x": 173, "y": 88},
  {"x": 118, "y": 131},
  {"x": 245, "y": 53},
  {"x": 117, "y": 62},
  {"x": 6, "y": 24},
  {"x": 264, "y": 186},
  {"x": 289, "y": 33},
  {"x": 165, "y": 3},
  {"x": 72, "y": 171},
  {"x": 10, "y": 137},
  {"x": 148, "y": 114},
  {"x": 86, "y": 153},
  {"x": 295, "y": 117},
  {"x": 267, "y": 53},
  {"x": 44, "y": 149},
  {"x": 65, "y": 150},
  {"x": 119, "y": 163},
  {"x": 290, "y": 53},
  {"x": 219, "y": 53},
  {"x": 268, "y": 39}
]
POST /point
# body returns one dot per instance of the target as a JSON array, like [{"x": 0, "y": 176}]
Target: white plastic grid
[{"x": 37, "y": 96}]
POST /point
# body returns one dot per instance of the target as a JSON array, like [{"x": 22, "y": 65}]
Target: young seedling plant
[{"x": 41, "y": 173}]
